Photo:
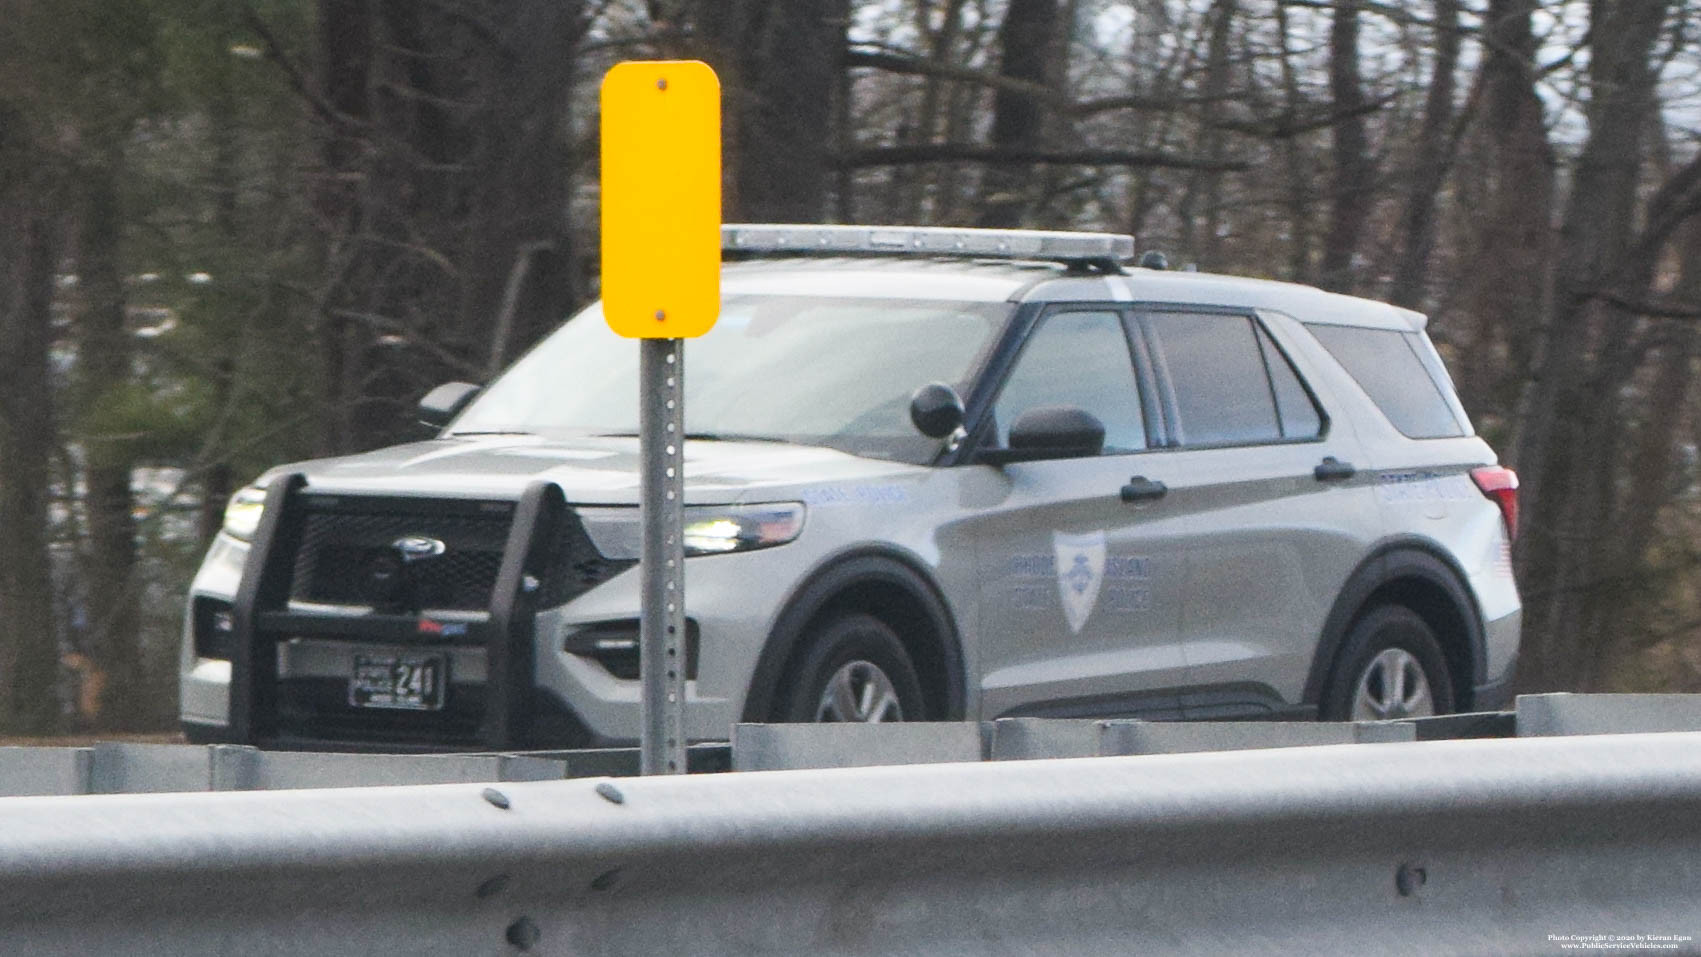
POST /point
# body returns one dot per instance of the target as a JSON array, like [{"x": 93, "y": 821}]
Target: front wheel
[
  {"x": 1389, "y": 667},
  {"x": 853, "y": 669}
]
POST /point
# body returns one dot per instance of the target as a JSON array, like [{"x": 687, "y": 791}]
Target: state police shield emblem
[{"x": 1080, "y": 573}]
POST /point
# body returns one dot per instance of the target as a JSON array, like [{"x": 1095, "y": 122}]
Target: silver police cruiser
[{"x": 931, "y": 474}]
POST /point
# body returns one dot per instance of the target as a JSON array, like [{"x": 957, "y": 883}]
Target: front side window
[
  {"x": 1078, "y": 359},
  {"x": 813, "y": 370}
]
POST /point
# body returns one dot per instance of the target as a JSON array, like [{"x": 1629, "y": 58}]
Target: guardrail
[
  {"x": 1470, "y": 846},
  {"x": 124, "y": 768},
  {"x": 793, "y": 746},
  {"x": 781, "y": 747},
  {"x": 116, "y": 768}
]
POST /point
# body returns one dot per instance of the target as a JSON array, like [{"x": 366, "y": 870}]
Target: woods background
[{"x": 237, "y": 233}]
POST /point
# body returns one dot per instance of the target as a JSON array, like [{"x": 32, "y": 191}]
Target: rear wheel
[
  {"x": 1389, "y": 667},
  {"x": 852, "y": 668}
]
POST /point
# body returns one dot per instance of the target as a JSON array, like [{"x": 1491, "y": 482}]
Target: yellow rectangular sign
[{"x": 661, "y": 198}]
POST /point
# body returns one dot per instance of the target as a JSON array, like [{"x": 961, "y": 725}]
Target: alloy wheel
[
  {"x": 859, "y": 692},
  {"x": 1393, "y": 685}
]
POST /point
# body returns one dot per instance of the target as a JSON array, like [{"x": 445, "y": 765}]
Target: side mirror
[
  {"x": 1050, "y": 432},
  {"x": 936, "y": 410},
  {"x": 445, "y": 402}
]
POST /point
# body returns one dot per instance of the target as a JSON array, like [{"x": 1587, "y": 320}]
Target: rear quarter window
[{"x": 1388, "y": 365}]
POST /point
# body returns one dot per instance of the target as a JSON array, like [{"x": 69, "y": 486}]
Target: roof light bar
[{"x": 1050, "y": 246}]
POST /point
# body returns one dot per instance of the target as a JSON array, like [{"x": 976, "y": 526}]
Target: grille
[
  {"x": 349, "y": 559},
  {"x": 347, "y": 556}
]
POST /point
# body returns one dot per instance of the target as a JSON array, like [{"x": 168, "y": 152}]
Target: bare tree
[
  {"x": 442, "y": 196},
  {"x": 780, "y": 62},
  {"x": 1572, "y": 403},
  {"x": 1204, "y": 187},
  {"x": 1354, "y": 172},
  {"x": 1298, "y": 188},
  {"x": 1507, "y": 279},
  {"x": 105, "y": 375},
  {"x": 28, "y": 248},
  {"x": 1027, "y": 40},
  {"x": 1432, "y": 153}
]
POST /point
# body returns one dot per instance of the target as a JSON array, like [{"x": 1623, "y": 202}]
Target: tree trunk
[
  {"x": 1562, "y": 410},
  {"x": 780, "y": 62},
  {"x": 445, "y": 197},
  {"x": 105, "y": 360},
  {"x": 1204, "y": 187},
  {"x": 1298, "y": 194},
  {"x": 521, "y": 195},
  {"x": 29, "y": 653},
  {"x": 345, "y": 50},
  {"x": 913, "y": 186},
  {"x": 224, "y": 119},
  {"x": 942, "y": 47},
  {"x": 956, "y": 202},
  {"x": 1354, "y": 171},
  {"x": 1506, "y": 279},
  {"x": 1429, "y": 170},
  {"x": 1026, "y": 41}
]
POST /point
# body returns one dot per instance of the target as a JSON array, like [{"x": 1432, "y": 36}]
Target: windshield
[{"x": 814, "y": 370}]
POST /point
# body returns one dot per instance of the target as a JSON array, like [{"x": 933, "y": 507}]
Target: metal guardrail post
[
  {"x": 1560, "y": 714},
  {"x": 1452, "y": 727},
  {"x": 125, "y": 768},
  {"x": 1043, "y": 738},
  {"x": 787, "y": 747},
  {"x": 280, "y": 770},
  {"x": 44, "y": 772}
]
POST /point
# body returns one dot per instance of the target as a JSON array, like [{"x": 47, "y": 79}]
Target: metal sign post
[
  {"x": 661, "y": 261},
  {"x": 661, "y": 626}
]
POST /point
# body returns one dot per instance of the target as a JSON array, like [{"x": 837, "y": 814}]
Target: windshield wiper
[{"x": 491, "y": 432}]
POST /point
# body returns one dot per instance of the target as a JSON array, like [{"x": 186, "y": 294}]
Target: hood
[{"x": 590, "y": 470}]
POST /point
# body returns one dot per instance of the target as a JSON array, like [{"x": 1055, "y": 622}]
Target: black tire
[
  {"x": 1389, "y": 644},
  {"x": 858, "y": 652}
]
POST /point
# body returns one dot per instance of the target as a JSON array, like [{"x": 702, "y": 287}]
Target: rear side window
[
  {"x": 1231, "y": 385},
  {"x": 1300, "y": 418},
  {"x": 1389, "y": 366}
]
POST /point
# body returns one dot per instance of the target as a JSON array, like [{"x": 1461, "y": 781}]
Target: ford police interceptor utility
[{"x": 930, "y": 474}]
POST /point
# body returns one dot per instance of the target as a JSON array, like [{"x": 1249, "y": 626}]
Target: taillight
[{"x": 1500, "y": 484}]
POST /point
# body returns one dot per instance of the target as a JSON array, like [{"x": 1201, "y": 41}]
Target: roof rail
[{"x": 1102, "y": 252}]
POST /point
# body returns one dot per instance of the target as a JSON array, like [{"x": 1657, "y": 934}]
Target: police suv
[{"x": 930, "y": 474}]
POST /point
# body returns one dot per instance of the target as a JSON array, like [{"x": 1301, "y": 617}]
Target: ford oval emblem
[{"x": 415, "y": 548}]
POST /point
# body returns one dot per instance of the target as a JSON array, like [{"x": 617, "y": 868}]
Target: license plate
[{"x": 410, "y": 682}]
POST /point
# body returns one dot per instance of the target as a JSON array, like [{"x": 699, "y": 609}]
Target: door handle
[
  {"x": 1332, "y": 469},
  {"x": 1143, "y": 489}
]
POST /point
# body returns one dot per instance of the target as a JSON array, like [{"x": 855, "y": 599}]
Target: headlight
[
  {"x": 242, "y": 515},
  {"x": 709, "y": 529},
  {"x": 714, "y": 531}
]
